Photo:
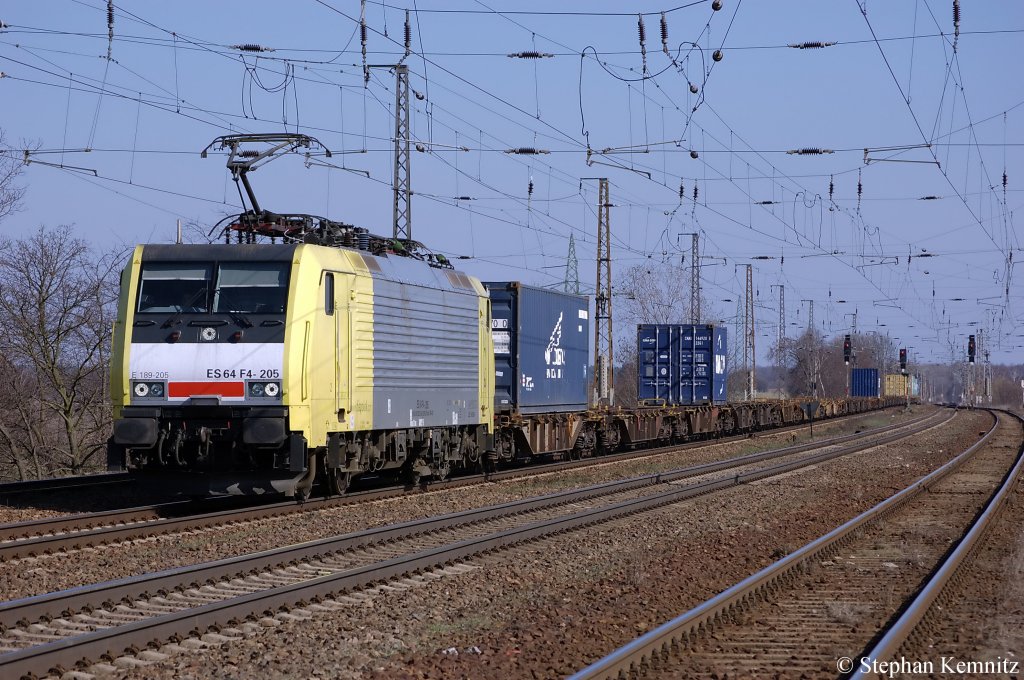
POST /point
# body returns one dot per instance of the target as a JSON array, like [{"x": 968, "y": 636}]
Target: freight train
[
  {"x": 256, "y": 368},
  {"x": 310, "y": 348}
]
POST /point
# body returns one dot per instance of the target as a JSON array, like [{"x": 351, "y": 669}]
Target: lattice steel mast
[
  {"x": 403, "y": 170},
  {"x": 572, "y": 269},
  {"x": 749, "y": 333},
  {"x": 604, "y": 390},
  {"x": 694, "y": 280}
]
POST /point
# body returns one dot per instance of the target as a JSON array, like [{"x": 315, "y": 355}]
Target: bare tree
[
  {"x": 11, "y": 192},
  {"x": 804, "y": 357},
  {"x": 653, "y": 292},
  {"x": 56, "y": 312}
]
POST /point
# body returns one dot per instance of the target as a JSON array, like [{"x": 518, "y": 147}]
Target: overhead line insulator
[
  {"x": 527, "y": 151},
  {"x": 812, "y": 151},
  {"x": 251, "y": 47},
  {"x": 408, "y": 35},
  {"x": 530, "y": 55},
  {"x": 643, "y": 39},
  {"x": 812, "y": 45}
]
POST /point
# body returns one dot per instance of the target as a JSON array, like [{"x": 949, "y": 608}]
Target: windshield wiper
[
  {"x": 240, "y": 319},
  {"x": 175, "y": 319}
]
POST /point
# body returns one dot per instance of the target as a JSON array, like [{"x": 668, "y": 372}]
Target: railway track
[
  {"x": 10, "y": 490},
  {"x": 58, "y": 630},
  {"x": 52, "y": 535},
  {"x": 813, "y": 612}
]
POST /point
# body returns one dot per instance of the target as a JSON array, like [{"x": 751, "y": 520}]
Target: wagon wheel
[
  {"x": 338, "y": 481},
  {"x": 441, "y": 469}
]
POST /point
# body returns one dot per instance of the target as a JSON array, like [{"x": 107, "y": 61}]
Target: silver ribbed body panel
[{"x": 426, "y": 347}]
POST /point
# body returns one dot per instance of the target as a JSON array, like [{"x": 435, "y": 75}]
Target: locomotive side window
[
  {"x": 174, "y": 287},
  {"x": 251, "y": 288},
  {"x": 329, "y": 294}
]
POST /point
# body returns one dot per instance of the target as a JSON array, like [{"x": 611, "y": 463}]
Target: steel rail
[
  {"x": 79, "y": 531},
  {"x": 67, "y": 652},
  {"x": 42, "y": 606},
  {"x": 62, "y": 483},
  {"x": 902, "y": 630},
  {"x": 669, "y": 637},
  {"x": 104, "y": 478}
]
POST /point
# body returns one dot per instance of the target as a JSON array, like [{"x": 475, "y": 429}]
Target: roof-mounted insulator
[
  {"x": 529, "y": 189},
  {"x": 814, "y": 45},
  {"x": 527, "y": 151},
  {"x": 530, "y": 55},
  {"x": 956, "y": 20},
  {"x": 250, "y": 47},
  {"x": 929, "y": 198},
  {"x": 248, "y": 153},
  {"x": 812, "y": 151},
  {"x": 664, "y": 33}
]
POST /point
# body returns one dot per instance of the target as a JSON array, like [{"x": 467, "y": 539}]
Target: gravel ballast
[
  {"x": 47, "y": 573},
  {"x": 547, "y": 608}
]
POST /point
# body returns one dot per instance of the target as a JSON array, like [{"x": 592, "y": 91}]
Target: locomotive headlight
[
  {"x": 272, "y": 389},
  {"x": 156, "y": 389},
  {"x": 256, "y": 389},
  {"x": 141, "y": 389}
]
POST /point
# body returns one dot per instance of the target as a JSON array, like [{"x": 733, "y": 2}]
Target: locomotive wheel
[{"x": 338, "y": 481}]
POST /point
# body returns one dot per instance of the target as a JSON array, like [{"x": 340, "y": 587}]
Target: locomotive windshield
[
  {"x": 191, "y": 288},
  {"x": 175, "y": 287},
  {"x": 251, "y": 288}
]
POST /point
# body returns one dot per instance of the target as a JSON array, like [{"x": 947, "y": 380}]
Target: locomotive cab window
[
  {"x": 251, "y": 287},
  {"x": 174, "y": 287}
]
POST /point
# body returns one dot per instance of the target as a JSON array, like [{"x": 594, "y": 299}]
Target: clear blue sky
[{"x": 174, "y": 82}]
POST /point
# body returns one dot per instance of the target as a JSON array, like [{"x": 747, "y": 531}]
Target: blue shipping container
[
  {"x": 541, "y": 349},
  {"x": 681, "y": 363},
  {"x": 864, "y": 382}
]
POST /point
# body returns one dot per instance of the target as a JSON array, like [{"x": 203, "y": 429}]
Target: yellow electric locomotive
[{"x": 251, "y": 367}]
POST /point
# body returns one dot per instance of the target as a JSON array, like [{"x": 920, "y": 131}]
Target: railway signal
[
  {"x": 971, "y": 349},
  {"x": 847, "y": 350},
  {"x": 903, "y": 361}
]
